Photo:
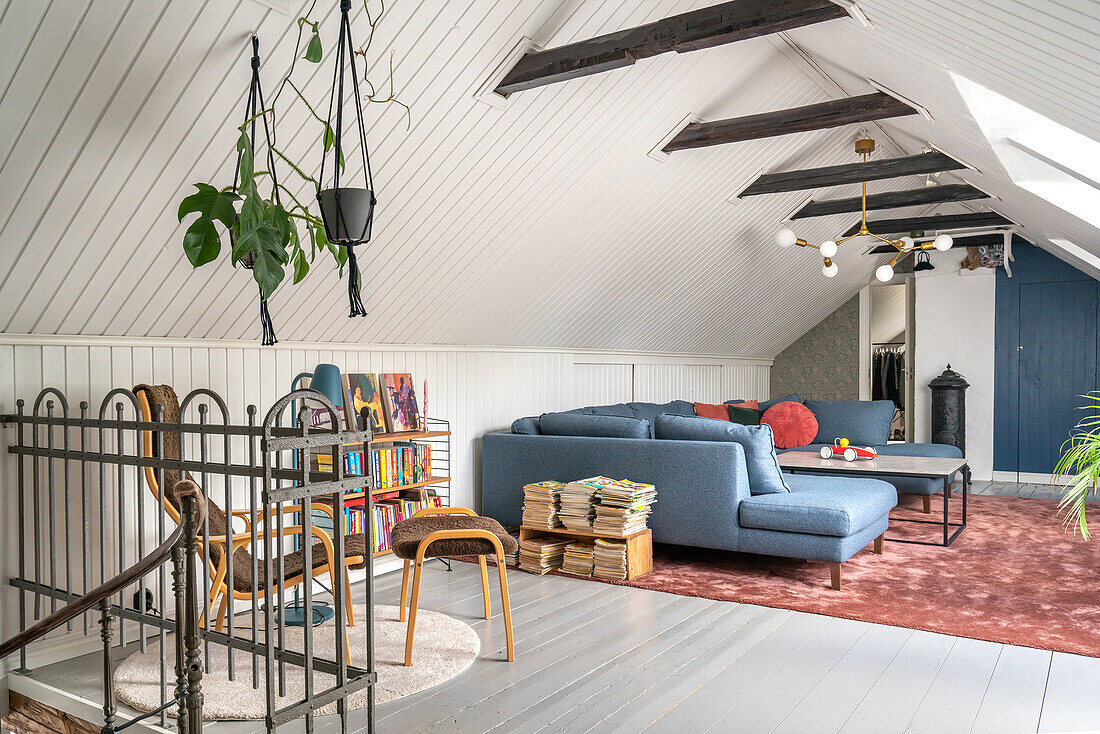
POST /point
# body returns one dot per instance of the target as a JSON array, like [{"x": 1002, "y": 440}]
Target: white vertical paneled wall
[
  {"x": 602, "y": 384},
  {"x": 478, "y": 389}
]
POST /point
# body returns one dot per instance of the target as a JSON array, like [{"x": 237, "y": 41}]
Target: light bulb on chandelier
[
  {"x": 828, "y": 248},
  {"x": 786, "y": 237},
  {"x": 943, "y": 242},
  {"x": 829, "y": 269},
  {"x": 885, "y": 273}
]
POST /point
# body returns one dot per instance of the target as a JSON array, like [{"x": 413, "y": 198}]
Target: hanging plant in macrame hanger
[
  {"x": 348, "y": 212},
  {"x": 275, "y": 229},
  {"x": 255, "y": 109}
]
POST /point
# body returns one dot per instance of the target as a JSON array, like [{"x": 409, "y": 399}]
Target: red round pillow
[{"x": 792, "y": 424}]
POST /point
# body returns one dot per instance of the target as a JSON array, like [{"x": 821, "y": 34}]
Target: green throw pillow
[{"x": 745, "y": 416}]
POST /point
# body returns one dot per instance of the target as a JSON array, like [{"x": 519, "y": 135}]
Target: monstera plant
[
  {"x": 268, "y": 224},
  {"x": 1078, "y": 469}
]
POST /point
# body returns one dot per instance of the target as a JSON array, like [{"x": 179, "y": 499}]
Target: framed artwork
[
  {"x": 363, "y": 403},
  {"x": 399, "y": 399}
]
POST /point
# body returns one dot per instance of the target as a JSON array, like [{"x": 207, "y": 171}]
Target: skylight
[{"x": 1046, "y": 158}]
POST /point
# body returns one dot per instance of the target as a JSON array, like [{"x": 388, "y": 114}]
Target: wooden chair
[
  {"x": 222, "y": 539},
  {"x": 451, "y": 531}
]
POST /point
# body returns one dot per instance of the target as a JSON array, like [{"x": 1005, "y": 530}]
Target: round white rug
[{"x": 443, "y": 648}]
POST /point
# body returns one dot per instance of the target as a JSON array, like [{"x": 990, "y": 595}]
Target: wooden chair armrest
[
  {"x": 289, "y": 509},
  {"x": 456, "y": 534},
  {"x": 445, "y": 511}
]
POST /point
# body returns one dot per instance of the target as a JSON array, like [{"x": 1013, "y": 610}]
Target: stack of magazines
[
  {"x": 577, "y": 511},
  {"x": 623, "y": 507},
  {"x": 540, "y": 505},
  {"x": 609, "y": 557},
  {"x": 541, "y": 555},
  {"x": 578, "y": 559}
]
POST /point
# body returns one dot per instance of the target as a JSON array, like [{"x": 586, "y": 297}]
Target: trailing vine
[{"x": 265, "y": 227}]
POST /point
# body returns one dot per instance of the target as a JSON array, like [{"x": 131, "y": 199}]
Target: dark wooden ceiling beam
[
  {"x": 892, "y": 200},
  {"x": 719, "y": 24},
  {"x": 885, "y": 227},
  {"x": 977, "y": 240},
  {"x": 834, "y": 113},
  {"x": 819, "y": 178}
]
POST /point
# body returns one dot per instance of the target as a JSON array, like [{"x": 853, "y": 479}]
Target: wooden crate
[{"x": 639, "y": 545}]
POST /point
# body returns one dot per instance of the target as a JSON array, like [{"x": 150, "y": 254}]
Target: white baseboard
[{"x": 1022, "y": 477}]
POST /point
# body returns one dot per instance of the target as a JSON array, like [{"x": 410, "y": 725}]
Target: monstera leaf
[{"x": 201, "y": 242}]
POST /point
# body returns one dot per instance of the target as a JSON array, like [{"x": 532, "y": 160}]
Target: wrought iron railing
[{"x": 262, "y": 472}]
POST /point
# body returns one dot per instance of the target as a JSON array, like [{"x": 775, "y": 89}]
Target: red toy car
[{"x": 840, "y": 449}]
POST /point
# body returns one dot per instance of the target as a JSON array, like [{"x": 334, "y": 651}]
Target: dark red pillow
[
  {"x": 706, "y": 410},
  {"x": 792, "y": 424}
]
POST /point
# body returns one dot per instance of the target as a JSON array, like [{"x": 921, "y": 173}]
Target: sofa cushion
[
  {"x": 765, "y": 404},
  {"x": 603, "y": 426},
  {"x": 863, "y": 422},
  {"x": 648, "y": 411},
  {"x": 707, "y": 410},
  {"x": 744, "y": 416},
  {"x": 792, "y": 423},
  {"x": 765, "y": 476},
  {"x": 820, "y": 505},
  {"x": 528, "y": 426}
]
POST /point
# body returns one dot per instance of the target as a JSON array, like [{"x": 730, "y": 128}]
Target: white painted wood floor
[{"x": 598, "y": 658}]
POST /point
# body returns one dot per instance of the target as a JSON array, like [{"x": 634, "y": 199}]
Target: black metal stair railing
[
  {"x": 84, "y": 515},
  {"x": 180, "y": 549}
]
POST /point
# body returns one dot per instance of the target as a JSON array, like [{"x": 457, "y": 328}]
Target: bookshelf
[
  {"x": 436, "y": 435},
  {"x": 639, "y": 545}
]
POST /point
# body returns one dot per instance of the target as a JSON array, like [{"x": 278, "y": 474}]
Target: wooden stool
[{"x": 451, "y": 531}]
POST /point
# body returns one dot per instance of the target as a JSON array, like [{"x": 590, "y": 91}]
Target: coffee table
[{"x": 804, "y": 462}]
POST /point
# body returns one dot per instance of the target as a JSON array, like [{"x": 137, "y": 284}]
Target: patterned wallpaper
[{"x": 823, "y": 364}]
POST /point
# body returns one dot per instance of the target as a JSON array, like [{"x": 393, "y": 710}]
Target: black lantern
[
  {"x": 253, "y": 110},
  {"x": 922, "y": 262},
  {"x": 348, "y": 212}
]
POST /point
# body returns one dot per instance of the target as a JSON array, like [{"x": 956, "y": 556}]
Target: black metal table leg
[{"x": 946, "y": 495}]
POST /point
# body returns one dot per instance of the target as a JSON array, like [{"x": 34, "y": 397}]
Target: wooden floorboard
[
  {"x": 829, "y": 703},
  {"x": 893, "y": 698},
  {"x": 952, "y": 701},
  {"x": 1013, "y": 699},
  {"x": 1072, "y": 700}
]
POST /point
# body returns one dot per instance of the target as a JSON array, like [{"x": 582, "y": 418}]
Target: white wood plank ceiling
[{"x": 542, "y": 224}]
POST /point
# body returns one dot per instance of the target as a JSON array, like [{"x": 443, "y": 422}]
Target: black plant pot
[{"x": 348, "y": 214}]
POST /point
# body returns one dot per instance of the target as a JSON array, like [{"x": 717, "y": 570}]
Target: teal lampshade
[{"x": 326, "y": 379}]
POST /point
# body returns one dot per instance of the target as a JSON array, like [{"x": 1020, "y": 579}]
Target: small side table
[{"x": 804, "y": 462}]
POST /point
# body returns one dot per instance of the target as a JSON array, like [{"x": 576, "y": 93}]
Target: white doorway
[{"x": 886, "y": 349}]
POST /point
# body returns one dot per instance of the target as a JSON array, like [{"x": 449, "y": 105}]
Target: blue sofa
[{"x": 705, "y": 496}]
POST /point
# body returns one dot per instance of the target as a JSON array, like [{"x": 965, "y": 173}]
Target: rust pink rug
[{"x": 1013, "y": 576}]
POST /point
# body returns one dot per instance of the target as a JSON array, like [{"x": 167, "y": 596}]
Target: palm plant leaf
[{"x": 1078, "y": 468}]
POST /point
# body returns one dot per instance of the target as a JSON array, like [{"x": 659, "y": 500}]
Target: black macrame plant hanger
[
  {"x": 255, "y": 108},
  {"x": 348, "y": 213}
]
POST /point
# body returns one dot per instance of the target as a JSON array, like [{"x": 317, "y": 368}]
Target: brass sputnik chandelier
[{"x": 828, "y": 249}]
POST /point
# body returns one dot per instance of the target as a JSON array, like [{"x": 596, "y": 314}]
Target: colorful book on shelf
[
  {"x": 387, "y": 513},
  {"x": 402, "y": 464},
  {"x": 399, "y": 401}
]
